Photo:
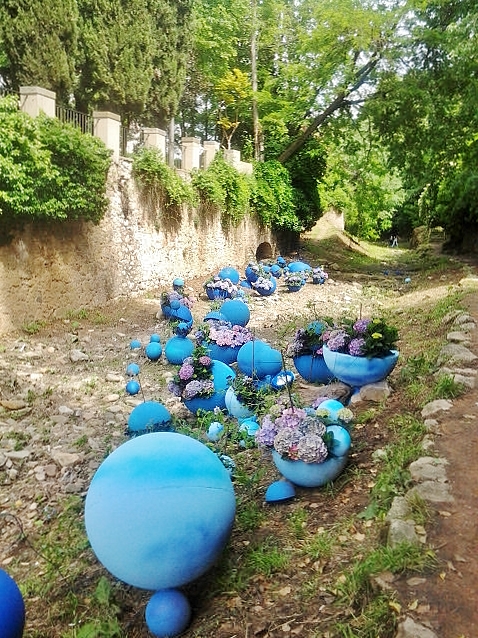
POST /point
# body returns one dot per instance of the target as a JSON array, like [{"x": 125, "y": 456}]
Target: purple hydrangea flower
[
  {"x": 186, "y": 371},
  {"x": 356, "y": 347},
  {"x": 337, "y": 341},
  {"x": 360, "y": 326}
]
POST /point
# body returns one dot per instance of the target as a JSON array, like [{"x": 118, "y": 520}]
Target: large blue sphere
[
  {"x": 230, "y": 273},
  {"x": 168, "y": 613},
  {"x": 298, "y": 266},
  {"x": 257, "y": 359},
  {"x": 159, "y": 510},
  {"x": 236, "y": 312},
  {"x": 12, "y": 608},
  {"x": 148, "y": 416}
]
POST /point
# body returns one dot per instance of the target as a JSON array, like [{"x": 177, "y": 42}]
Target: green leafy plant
[{"x": 273, "y": 197}]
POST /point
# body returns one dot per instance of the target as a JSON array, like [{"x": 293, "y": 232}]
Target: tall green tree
[{"x": 39, "y": 44}]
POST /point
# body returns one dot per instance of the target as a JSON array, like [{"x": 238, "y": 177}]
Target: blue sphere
[
  {"x": 182, "y": 313},
  {"x": 342, "y": 441},
  {"x": 154, "y": 338},
  {"x": 279, "y": 491},
  {"x": 298, "y": 266},
  {"x": 236, "y": 312},
  {"x": 135, "y": 344},
  {"x": 174, "y": 305},
  {"x": 257, "y": 359},
  {"x": 178, "y": 282},
  {"x": 167, "y": 613},
  {"x": 12, "y": 608},
  {"x": 159, "y": 510},
  {"x": 332, "y": 406},
  {"x": 149, "y": 416},
  {"x": 153, "y": 351},
  {"x": 132, "y": 369},
  {"x": 215, "y": 431},
  {"x": 177, "y": 349},
  {"x": 132, "y": 387},
  {"x": 230, "y": 273}
]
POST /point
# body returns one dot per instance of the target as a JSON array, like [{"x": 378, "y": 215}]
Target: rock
[
  {"x": 411, "y": 629},
  {"x": 65, "y": 459},
  {"x": 113, "y": 378},
  {"x": 376, "y": 392},
  {"x": 455, "y": 352},
  {"x": 78, "y": 355},
  {"x": 458, "y": 337},
  {"x": 401, "y": 531},
  {"x": 436, "y": 406},
  {"x": 18, "y": 455},
  {"x": 469, "y": 382},
  {"x": 432, "y": 491},
  {"x": 400, "y": 509},
  {"x": 64, "y": 409},
  {"x": 428, "y": 468},
  {"x": 13, "y": 404}
]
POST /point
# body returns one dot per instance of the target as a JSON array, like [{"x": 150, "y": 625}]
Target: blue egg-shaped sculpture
[
  {"x": 222, "y": 374},
  {"x": 155, "y": 338},
  {"x": 236, "y": 312},
  {"x": 229, "y": 273},
  {"x": 177, "y": 349},
  {"x": 257, "y": 359},
  {"x": 132, "y": 387},
  {"x": 251, "y": 274},
  {"x": 333, "y": 407},
  {"x": 12, "y": 608},
  {"x": 342, "y": 440},
  {"x": 279, "y": 491},
  {"x": 167, "y": 613},
  {"x": 159, "y": 510},
  {"x": 249, "y": 426},
  {"x": 153, "y": 351},
  {"x": 150, "y": 416},
  {"x": 266, "y": 292},
  {"x": 132, "y": 369},
  {"x": 298, "y": 266},
  {"x": 182, "y": 314},
  {"x": 135, "y": 344}
]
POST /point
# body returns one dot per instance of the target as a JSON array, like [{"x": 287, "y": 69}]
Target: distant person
[{"x": 394, "y": 243}]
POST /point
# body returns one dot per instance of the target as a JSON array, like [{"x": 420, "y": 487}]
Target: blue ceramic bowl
[{"x": 359, "y": 371}]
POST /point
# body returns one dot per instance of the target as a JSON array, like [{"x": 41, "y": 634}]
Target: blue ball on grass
[
  {"x": 167, "y": 613},
  {"x": 132, "y": 387},
  {"x": 150, "y": 416},
  {"x": 159, "y": 510},
  {"x": 12, "y": 608},
  {"x": 132, "y": 369},
  {"x": 153, "y": 351}
]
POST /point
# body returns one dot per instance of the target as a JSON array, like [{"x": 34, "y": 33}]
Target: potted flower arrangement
[
  {"x": 362, "y": 351},
  {"x": 306, "y": 351},
  {"x": 245, "y": 396},
  {"x": 264, "y": 284},
  {"x": 294, "y": 281},
  {"x": 319, "y": 276},
  {"x": 222, "y": 339},
  {"x": 304, "y": 449},
  {"x": 173, "y": 299},
  {"x": 217, "y": 288},
  {"x": 201, "y": 382}
]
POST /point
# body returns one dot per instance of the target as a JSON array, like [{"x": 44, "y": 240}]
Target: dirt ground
[{"x": 51, "y": 405}]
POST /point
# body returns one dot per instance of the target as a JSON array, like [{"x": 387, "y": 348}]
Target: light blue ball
[
  {"x": 177, "y": 349},
  {"x": 230, "y": 273},
  {"x": 249, "y": 426},
  {"x": 167, "y": 613},
  {"x": 298, "y": 266},
  {"x": 12, "y": 608},
  {"x": 154, "y": 338},
  {"x": 342, "y": 441},
  {"x": 159, "y": 510},
  {"x": 132, "y": 369},
  {"x": 332, "y": 406},
  {"x": 135, "y": 344},
  {"x": 178, "y": 282},
  {"x": 257, "y": 359},
  {"x": 408, "y": 280},
  {"x": 132, "y": 387},
  {"x": 153, "y": 351},
  {"x": 236, "y": 312},
  {"x": 148, "y": 416}
]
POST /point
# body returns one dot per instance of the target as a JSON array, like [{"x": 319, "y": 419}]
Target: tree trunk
[
  {"x": 171, "y": 142},
  {"x": 258, "y": 151}
]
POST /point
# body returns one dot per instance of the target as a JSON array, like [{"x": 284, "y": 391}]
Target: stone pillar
[
  {"x": 191, "y": 153},
  {"x": 107, "y": 127},
  {"x": 35, "y": 100},
  {"x": 155, "y": 138},
  {"x": 233, "y": 158},
  {"x": 210, "y": 149}
]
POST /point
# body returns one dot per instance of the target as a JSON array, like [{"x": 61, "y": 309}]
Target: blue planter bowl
[
  {"x": 313, "y": 368},
  {"x": 216, "y": 293},
  {"x": 235, "y": 408},
  {"x": 359, "y": 371},
  {"x": 294, "y": 288},
  {"x": 226, "y": 354},
  {"x": 310, "y": 474},
  {"x": 318, "y": 280},
  {"x": 221, "y": 373},
  {"x": 266, "y": 293}
]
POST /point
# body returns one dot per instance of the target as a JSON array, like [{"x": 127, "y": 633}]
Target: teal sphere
[
  {"x": 132, "y": 387},
  {"x": 236, "y": 312},
  {"x": 167, "y": 613},
  {"x": 342, "y": 441},
  {"x": 257, "y": 359},
  {"x": 230, "y": 273},
  {"x": 159, "y": 510},
  {"x": 132, "y": 369},
  {"x": 149, "y": 416},
  {"x": 154, "y": 338},
  {"x": 153, "y": 351},
  {"x": 177, "y": 349},
  {"x": 12, "y": 608}
]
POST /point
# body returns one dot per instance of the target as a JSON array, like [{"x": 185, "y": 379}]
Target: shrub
[{"x": 273, "y": 197}]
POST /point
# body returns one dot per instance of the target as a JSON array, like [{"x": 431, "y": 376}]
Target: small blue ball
[
  {"x": 132, "y": 369},
  {"x": 132, "y": 387},
  {"x": 149, "y": 416},
  {"x": 154, "y": 338},
  {"x": 12, "y": 608},
  {"x": 135, "y": 344},
  {"x": 174, "y": 304},
  {"x": 167, "y": 613},
  {"x": 153, "y": 351}
]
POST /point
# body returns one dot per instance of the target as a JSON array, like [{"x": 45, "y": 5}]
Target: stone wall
[{"x": 49, "y": 270}]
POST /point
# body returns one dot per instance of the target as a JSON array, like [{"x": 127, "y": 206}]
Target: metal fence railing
[
  {"x": 130, "y": 139},
  {"x": 80, "y": 120}
]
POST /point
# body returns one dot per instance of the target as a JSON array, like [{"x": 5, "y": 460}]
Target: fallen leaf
[
  {"x": 285, "y": 591},
  {"x": 413, "y": 605},
  {"x": 443, "y": 575},
  {"x": 359, "y": 536},
  {"x": 444, "y": 513},
  {"x": 395, "y": 606},
  {"x": 450, "y": 566},
  {"x": 459, "y": 559}
]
